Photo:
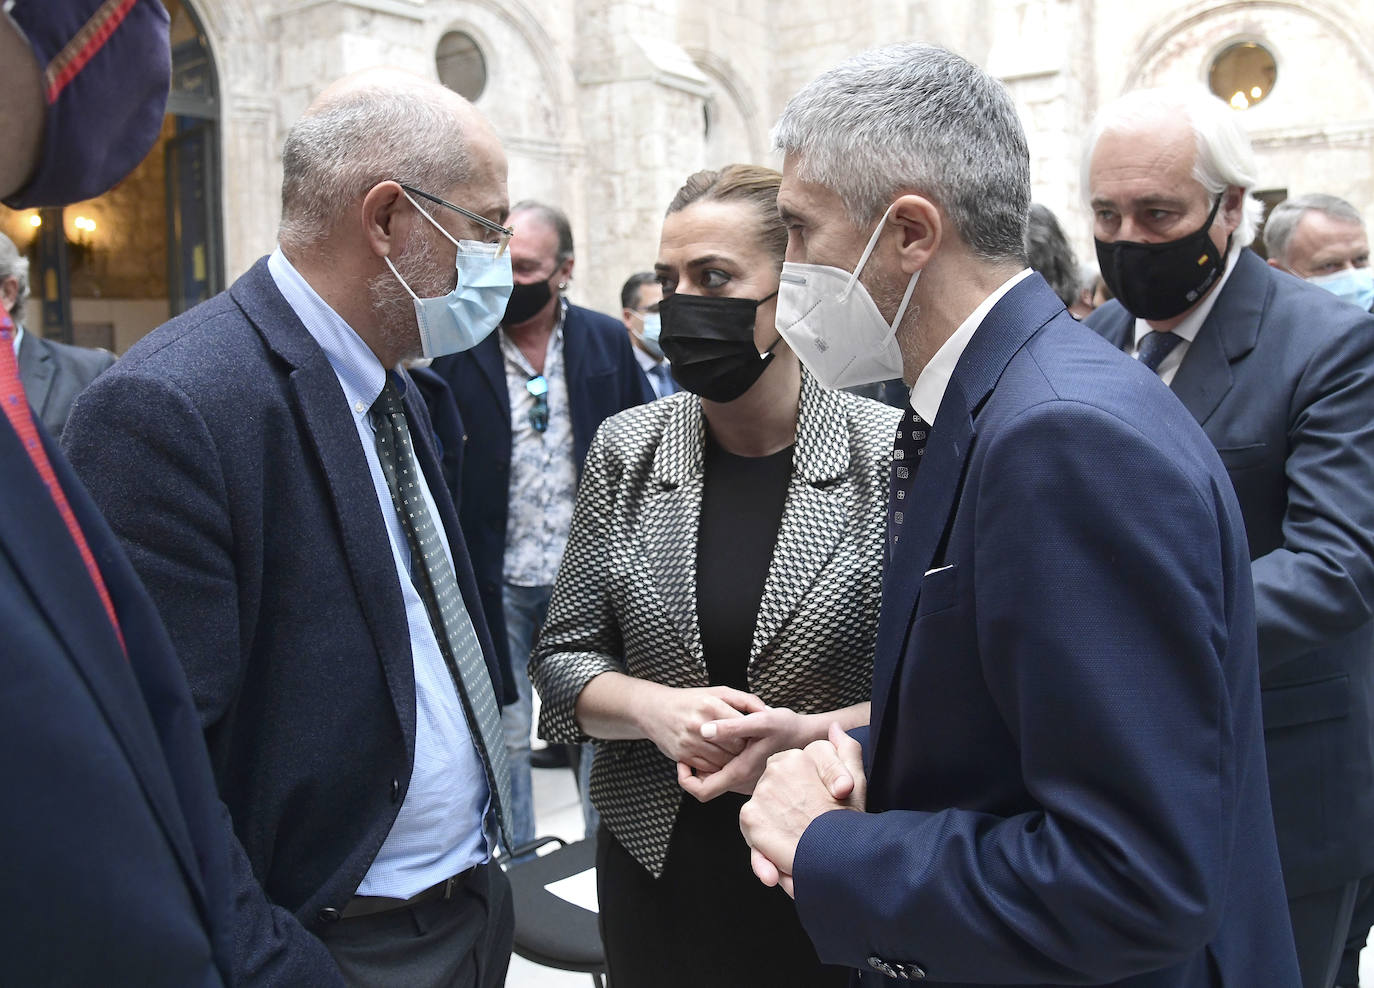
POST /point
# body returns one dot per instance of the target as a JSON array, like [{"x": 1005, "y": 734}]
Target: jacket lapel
[
  {"x": 669, "y": 523},
  {"x": 347, "y": 478},
  {"x": 1015, "y": 318},
  {"x": 36, "y": 370},
  {"x": 813, "y": 517},
  {"x": 487, "y": 355},
  {"x": 1228, "y": 334}
]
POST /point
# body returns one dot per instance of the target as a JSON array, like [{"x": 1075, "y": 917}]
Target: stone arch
[{"x": 738, "y": 133}]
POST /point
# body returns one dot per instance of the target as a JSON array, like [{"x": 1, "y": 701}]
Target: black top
[{"x": 741, "y": 510}]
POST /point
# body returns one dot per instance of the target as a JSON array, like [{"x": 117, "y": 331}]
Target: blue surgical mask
[
  {"x": 465, "y": 316},
  {"x": 1355, "y": 285},
  {"x": 653, "y": 325}
]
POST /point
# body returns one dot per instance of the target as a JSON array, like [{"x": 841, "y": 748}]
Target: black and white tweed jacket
[{"x": 625, "y": 599}]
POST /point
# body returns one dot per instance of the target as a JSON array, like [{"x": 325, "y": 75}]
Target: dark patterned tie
[
  {"x": 1155, "y": 346},
  {"x": 909, "y": 445},
  {"x": 433, "y": 577}
]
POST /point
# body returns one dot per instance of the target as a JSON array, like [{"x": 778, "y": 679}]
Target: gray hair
[
  {"x": 14, "y": 265},
  {"x": 916, "y": 117},
  {"x": 1224, "y": 156},
  {"x": 338, "y": 151},
  {"x": 555, "y": 218},
  {"x": 1050, "y": 255},
  {"x": 1284, "y": 218}
]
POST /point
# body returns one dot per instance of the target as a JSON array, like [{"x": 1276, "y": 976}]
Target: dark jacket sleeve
[{"x": 149, "y": 460}]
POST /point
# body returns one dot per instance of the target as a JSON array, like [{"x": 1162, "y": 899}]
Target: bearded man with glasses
[{"x": 532, "y": 395}]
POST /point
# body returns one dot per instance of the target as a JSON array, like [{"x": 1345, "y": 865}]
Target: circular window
[
  {"x": 461, "y": 65},
  {"x": 1243, "y": 74}
]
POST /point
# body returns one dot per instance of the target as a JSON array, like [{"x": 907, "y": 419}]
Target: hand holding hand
[
  {"x": 673, "y": 723},
  {"x": 762, "y": 733},
  {"x": 797, "y": 787}
]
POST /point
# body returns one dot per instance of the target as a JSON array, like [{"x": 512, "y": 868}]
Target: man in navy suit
[
  {"x": 271, "y": 475},
  {"x": 1322, "y": 238},
  {"x": 1063, "y": 779},
  {"x": 116, "y": 869},
  {"x": 531, "y": 396},
  {"x": 1280, "y": 375}
]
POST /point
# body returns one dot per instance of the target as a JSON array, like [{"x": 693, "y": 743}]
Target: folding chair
[{"x": 550, "y": 931}]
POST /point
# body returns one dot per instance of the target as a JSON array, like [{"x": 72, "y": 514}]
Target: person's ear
[
  {"x": 1232, "y": 208},
  {"x": 921, "y": 228},
  {"x": 9, "y": 292},
  {"x": 388, "y": 218},
  {"x": 564, "y": 273}
]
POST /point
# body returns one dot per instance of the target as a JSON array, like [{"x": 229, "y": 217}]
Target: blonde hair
[{"x": 751, "y": 184}]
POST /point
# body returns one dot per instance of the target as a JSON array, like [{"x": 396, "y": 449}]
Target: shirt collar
[
  {"x": 646, "y": 362},
  {"x": 18, "y": 338},
  {"x": 512, "y": 353},
  {"x": 1192, "y": 322},
  {"x": 359, "y": 371},
  {"x": 929, "y": 390}
]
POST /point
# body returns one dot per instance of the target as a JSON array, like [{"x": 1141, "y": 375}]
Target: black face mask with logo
[
  {"x": 1161, "y": 281},
  {"x": 709, "y": 343}
]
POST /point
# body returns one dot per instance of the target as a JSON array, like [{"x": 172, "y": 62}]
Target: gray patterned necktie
[{"x": 433, "y": 577}]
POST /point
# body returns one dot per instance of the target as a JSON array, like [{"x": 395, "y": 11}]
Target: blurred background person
[
  {"x": 1322, "y": 238},
  {"x": 53, "y": 373},
  {"x": 531, "y": 396},
  {"x": 1051, "y": 256},
  {"x": 639, "y": 300},
  {"x": 1086, "y": 301},
  {"x": 718, "y": 602}
]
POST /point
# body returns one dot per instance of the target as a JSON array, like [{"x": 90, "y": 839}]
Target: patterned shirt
[{"x": 543, "y": 476}]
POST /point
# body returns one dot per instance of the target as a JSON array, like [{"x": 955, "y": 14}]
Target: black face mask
[
  {"x": 1160, "y": 281},
  {"x": 525, "y": 301},
  {"x": 709, "y": 343}
]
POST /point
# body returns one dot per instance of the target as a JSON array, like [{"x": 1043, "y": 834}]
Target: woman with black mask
[{"x": 718, "y": 602}]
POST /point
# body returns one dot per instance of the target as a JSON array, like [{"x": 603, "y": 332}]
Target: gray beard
[{"x": 418, "y": 264}]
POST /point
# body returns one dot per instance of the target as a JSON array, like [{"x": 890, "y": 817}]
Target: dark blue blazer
[
  {"x": 116, "y": 864},
  {"x": 1281, "y": 378},
  {"x": 449, "y": 434},
  {"x": 603, "y": 378},
  {"x": 1065, "y": 762},
  {"x": 224, "y": 454}
]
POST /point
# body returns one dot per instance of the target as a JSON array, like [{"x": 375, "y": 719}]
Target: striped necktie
[
  {"x": 438, "y": 588},
  {"x": 1155, "y": 346}
]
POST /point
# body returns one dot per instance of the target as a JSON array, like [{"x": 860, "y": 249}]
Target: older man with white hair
[
  {"x": 1322, "y": 238},
  {"x": 1280, "y": 375},
  {"x": 1063, "y": 780},
  {"x": 273, "y": 478}
]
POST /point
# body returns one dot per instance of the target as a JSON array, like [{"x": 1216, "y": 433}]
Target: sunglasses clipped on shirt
[{"x": 538, "y": 388}]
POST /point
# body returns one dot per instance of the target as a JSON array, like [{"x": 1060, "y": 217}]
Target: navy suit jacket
[
  {"x": 449, "y": 434},
  {"x": 1065, "y": 760},
  {"x": 225, "y": 455},
  {"x": 603, "y": 379},
  {"x": 1281, "y": 377},
  {"x": 116, "y": 865}
]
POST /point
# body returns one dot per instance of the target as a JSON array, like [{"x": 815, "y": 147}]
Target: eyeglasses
[
  {"x": 539, "y": 413},
  {"x": 504, "y": 233}
]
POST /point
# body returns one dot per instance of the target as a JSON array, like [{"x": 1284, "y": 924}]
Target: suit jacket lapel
[
  {"x": 36, "y": 370},
  {"x": 669, "y": 522},
  {"x": 813, "y": 517},
  {"x": 487, "y": 355},
  {"x": 59, "y": 583},
  {"x": 1228, "y": 333},
  {"x": 362, "y": 530},
  {"x": 1015, "y": 318}
]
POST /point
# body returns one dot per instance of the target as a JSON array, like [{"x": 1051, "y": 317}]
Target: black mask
[
  {"x": 709, "y": 343},
  {"x": 1160, "y": 281},
  {"x": 525, "y": 301}
]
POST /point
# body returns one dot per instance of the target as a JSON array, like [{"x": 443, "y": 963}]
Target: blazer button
[
  {"x": 395, "y": 790},
  {"x": 329, "y": 915}
]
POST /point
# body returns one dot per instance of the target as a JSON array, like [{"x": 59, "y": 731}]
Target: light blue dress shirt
[{"x": 439, "y": 830}]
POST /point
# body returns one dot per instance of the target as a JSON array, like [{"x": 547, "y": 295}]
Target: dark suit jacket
[
  {"x": 1281, "y": 377},
  {"x": 53, "y": 375},
  {"x": 449, "y": 434},
  {"x": 603, "y": 378},
  {"x": 1065, "y": 762},
  {"x": 116, "y": 865},
  {"x": 224, "y": 453}
]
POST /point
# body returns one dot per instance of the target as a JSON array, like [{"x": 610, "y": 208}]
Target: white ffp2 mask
[{"x": 833, "y": 325}]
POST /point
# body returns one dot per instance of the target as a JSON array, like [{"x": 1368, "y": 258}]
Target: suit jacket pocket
[
  {"x": 1241, "y": 457},
  {"x": 1306, "y": 703},
  {"x": 939, "y": 591}
]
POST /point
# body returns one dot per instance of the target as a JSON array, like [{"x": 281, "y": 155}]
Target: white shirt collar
[
  {"x": 1192, "y": 322},
  {"x": 929, "y": 389},
  {"x": 18, "y": 337}
]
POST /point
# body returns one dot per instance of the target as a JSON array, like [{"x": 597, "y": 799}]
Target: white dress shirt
[
  {"x": 929, "y": 389},
  {"x": 1187, "y": 330},
  {"x": 439, "y": 829}
]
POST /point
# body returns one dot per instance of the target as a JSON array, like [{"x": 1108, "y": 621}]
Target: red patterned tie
[{"x": 21, "y": 417}]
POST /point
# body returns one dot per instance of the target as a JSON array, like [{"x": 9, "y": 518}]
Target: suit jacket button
[
  {"x": 395, "y": 790},
  {"x": 329, "y": 915}
]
